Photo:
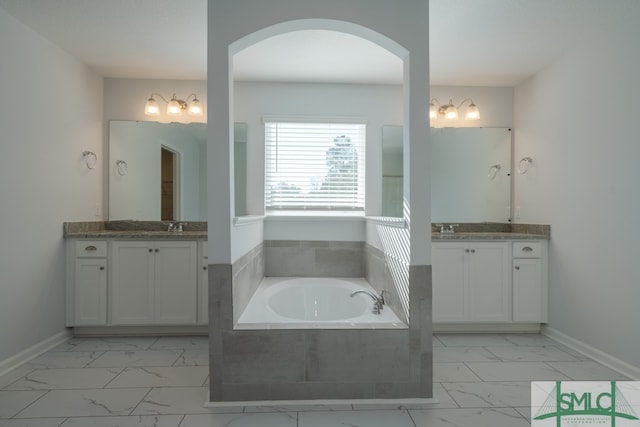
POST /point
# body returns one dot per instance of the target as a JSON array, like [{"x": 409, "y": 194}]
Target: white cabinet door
[
  {"x": 470, "y": 282},
  {"x": 527, "y": 290},
  {"x": 90, "y": 280},
  {"x": 449, "y": 282},
  {"x": 489, "y": 296},
  {"x": 176, "y": 282},
  {"x": 132, "y": 283}
]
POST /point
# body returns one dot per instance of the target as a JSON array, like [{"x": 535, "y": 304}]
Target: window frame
[{"x": 335, "y": 203}]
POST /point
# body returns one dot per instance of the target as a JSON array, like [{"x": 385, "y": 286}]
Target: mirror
[
  {"x": 392, "y": 174},
  {"x": 157, "y": 171},
  {"x": 470, "y": 174}
]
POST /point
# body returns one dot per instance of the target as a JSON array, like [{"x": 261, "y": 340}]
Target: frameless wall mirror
[
  {"x": 392, "y": 171},
  {"x": 240, "y": 168},
  {"x": 470, "y": 175},
  {"x": 157, "y": 171}
]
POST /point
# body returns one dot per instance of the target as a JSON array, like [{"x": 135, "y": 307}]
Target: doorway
[{"x": 169, "y": 185}]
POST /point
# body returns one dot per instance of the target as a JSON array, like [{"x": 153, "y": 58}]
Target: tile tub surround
[
  {"x": 300, "y": 258},
  {"x": 247, "y": 272},
  {"x": 318, "y": 364},
  {"x": 378, "y": 274}
]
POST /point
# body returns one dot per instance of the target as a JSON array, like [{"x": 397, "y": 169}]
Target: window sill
[
  {"x": 315, "y": 216},
  {"x": 247, "y": 219},
  {"x": 388, "y": 221}
]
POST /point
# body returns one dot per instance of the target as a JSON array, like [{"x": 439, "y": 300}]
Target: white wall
[
  {"x": 577, "y": 119},
  {"x": 51, "y": 112}
]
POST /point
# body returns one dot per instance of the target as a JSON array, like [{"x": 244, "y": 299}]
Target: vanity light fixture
[
  {"x": 175, "y": 106},
  {"x": 450, "y": 111}
]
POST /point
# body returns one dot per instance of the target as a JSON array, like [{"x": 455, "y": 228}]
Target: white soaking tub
[{"x": 315, "y": 303}]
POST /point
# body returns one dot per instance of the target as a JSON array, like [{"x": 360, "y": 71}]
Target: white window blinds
[{"x": 315, "y": 166}]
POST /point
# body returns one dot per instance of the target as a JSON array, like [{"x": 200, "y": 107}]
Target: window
[{"x": 314, "y": 166}]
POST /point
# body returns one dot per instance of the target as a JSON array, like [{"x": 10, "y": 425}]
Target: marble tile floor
[{"x": 479, "y": 380}]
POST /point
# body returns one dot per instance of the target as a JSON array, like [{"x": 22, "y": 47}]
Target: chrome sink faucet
[
  {"x": 175, "y": 226},
  {"x": 378, "y": 301},
  {"x": 447, "y": 228}
]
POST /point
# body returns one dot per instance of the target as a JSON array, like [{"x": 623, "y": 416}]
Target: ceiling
[{"x": 472, "y": 42}]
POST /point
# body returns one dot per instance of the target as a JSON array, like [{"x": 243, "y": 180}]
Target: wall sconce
[
  {"x": 450, "y": 111},
  {"x": 175, "y": 107},
  {"x": 90, "y": 159}
]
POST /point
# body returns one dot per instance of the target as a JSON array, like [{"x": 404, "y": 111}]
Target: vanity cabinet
[
  {"x": 530, "y": 281},
  {"x": 153, "y": 282},
  {"x": 89, "y": 269},
  {"x": 499, "y": 284},
  {"x": 471, "y": 282}
]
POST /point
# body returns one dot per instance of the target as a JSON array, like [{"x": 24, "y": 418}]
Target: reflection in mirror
[
  {"x": 470, "y": 175},
  {"x": 240, "y": 168},
  {"x": 178, "y": 191},
  {"x": 392, "y": 171}
]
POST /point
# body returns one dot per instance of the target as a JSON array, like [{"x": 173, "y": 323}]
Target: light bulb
[
  {"x": 451, "y": 113},
  {"x": 433, "y": 111},
  {"x": 151, "y": 107},
  {"x": 174, "y": 108},
  {"x": 472, "y": 112},
  {"x": 195, "y": 108}
]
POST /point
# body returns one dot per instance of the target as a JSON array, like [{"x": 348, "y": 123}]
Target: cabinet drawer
[
  {"x": 527, "y": 249},
  {"x": 91, "y": 248}
]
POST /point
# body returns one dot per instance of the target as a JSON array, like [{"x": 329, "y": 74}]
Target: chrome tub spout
[{"x": 378, "y": 301}]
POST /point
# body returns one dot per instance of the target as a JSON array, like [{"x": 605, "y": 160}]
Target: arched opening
[{"x": 309, "y": 53}]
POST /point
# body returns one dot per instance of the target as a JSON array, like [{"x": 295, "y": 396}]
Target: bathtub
[{"x": 314, "y": 303}]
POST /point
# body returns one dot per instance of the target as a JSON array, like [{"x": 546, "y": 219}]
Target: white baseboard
[
  {"x": 132, "y": 331},
  {"x": 633, "y": 372},
  {"x": 486, "y": 328},
  {"x": 34, "y": 351}
]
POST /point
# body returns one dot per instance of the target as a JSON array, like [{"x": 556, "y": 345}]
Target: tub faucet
[{"x": 378, "y": 301}]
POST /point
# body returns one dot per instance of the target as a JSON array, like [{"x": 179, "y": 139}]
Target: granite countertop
[
  {"x": 492, "y": 231},
  {"x": 151, "y": 230},
  {"x": 437, "y": 236},
  {"x": 137, "y": 234},
  {"x": 143, "y": 230}
]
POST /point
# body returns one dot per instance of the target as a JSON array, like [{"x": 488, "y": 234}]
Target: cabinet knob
[
  {"x": 527, "y": 249},
  {"x": 157, "y": 250},
  {"x": 204, "y": 268},
  {"x": 101, "y": 268},
  {"x": 150, "y": 250},
  {"x": 91, "y": 248},
  {"x": 466, "y": 250},
  {"x": 517, "y": 267},
  {"x": 473, "y": 251}
]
